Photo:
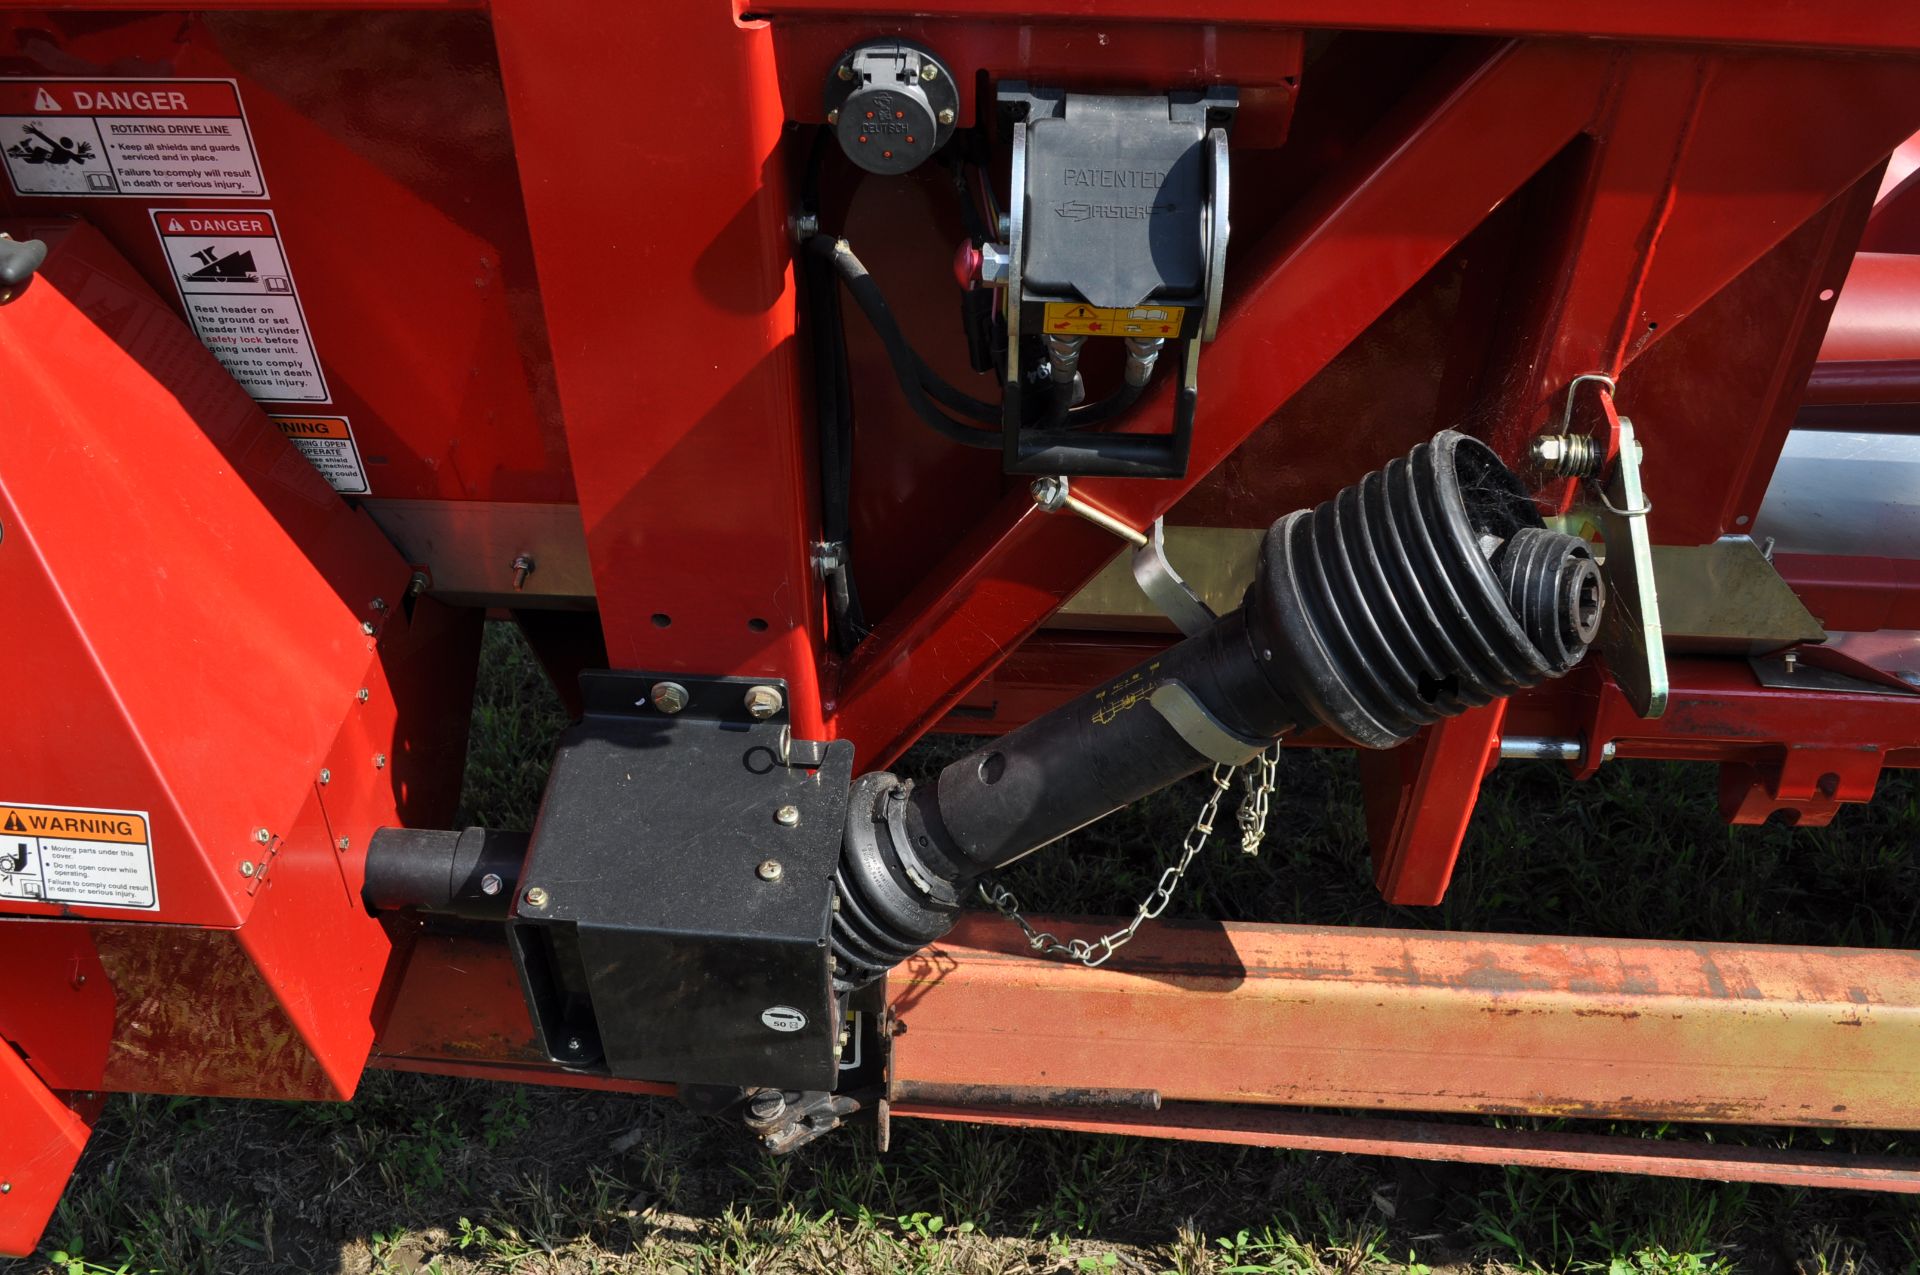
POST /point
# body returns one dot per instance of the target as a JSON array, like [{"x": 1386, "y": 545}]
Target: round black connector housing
[{"x": 892, "y": 104}]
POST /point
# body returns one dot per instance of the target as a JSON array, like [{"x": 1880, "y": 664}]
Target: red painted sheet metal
[
  {"x": 1859, "y": 24},
  {"x": 41, "y": 1138},
  {"x": 674, "y": 345}
]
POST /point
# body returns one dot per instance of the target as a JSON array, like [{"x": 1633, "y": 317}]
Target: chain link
[{"x": 1260, "y": 775}]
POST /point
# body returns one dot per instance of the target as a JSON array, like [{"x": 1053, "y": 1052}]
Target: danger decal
[
  {"x": 1072, "y": 318},
  {"x": 232, "y": 275},
  {"x": 76, "y": 854},
  {"x": 327, "y": 441},
  {"x": 128, "y": 138}
]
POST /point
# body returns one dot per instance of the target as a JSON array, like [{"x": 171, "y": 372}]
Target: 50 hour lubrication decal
[
  {"x": 232, "y": 275},
  {"x": 81, "y": 855},
  {"x": 127, "y": 137}
]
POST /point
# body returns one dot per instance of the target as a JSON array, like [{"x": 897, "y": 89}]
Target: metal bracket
[
  {"x": 1204, "y": 733},
  {"x": 1164, "y": 588},
  {"x": 1155, "y": 575},
  {"x": 1631, "y": 633}
]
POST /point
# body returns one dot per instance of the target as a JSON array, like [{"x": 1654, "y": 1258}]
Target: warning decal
[
  {"x": 233, "y": 279},
  {"x": 76, "y": 854},
  {"x": 128, "y": 137},
  {"x": 1093, "y": 320},
  {"x": 327, "y": 441}
]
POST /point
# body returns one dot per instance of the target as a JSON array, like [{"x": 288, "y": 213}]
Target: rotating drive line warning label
[
  {"x": 327, "y": 441},
  {"x": 1092, "y": 320},
  {"x": 128, "y": 137},
  {"x": 76, "y": 854},
  {"x": 232, "y": 276}
]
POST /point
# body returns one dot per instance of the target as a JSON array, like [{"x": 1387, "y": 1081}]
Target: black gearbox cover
[
  {"x": 1116, "y": 190},
  {"x": 660, "y": 950}
]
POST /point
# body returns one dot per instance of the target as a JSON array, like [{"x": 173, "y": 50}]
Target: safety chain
[{"x": 1260, "y": 770}]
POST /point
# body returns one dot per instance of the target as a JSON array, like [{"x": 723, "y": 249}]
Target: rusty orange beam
[{"x": 1426, "y": 1022}]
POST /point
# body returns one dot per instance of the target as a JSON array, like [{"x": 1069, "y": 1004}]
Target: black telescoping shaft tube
[{"x": 1427, "y": 588}]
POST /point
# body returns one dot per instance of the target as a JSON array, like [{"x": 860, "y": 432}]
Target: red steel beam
[
  {"x": 1837, "y": 24},
  {"x": 1428, "y": 1022},
  {"x": 1454, "y": 152},
  {"x": 1462, "y": 1143}
]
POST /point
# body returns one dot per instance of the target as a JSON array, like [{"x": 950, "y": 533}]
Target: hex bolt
[
  {"x": 833, "y": 116},
  {"x": 362, "y": 694},
  {"x": 787, "y": 816},
  {"x": 366, "y": 627},
  {"x": 573, "y": 1044},
  {"x": 767, "y": 1104},
  {"x": 946, "y": 115},
  {"x": 262, "y": 836},
  {"x": 1567, "y": 455},
  {"x": 345, "y": 844},
  {"x": 246, "y": 867},
  {"x": 522, "y": 568},
  {"x": 326, "y": 776},
  {"x": 379, "y": 761},
  {"x": 536, "y": 897},
  {"x": 668, "y": 697},
  {"x": 6, "y": 1188},
  {"x": 845, "y": 72},
  {"x": 764, "y": 701},
  {"x": 378, "y": 604},
  {"x": 769, "y": 870},
  {"x": 417, "y": 583},
  {"x": 1792, "y": 661},
  {"x": 490, "y": 884},
  {"x": 929, "y": 72}
]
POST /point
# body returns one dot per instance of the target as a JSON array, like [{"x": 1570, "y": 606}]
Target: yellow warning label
[
  {"x": 1093, "y": 320},
  {"x": 88, "y": 825},
  {"x": 313, "y": 427}
]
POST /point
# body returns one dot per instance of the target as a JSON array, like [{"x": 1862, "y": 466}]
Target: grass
[{"x": 425, "y": 1174}]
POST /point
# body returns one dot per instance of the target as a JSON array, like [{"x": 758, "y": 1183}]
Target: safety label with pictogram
[
  {"x": 1071, "y": 318},
  {"x": 232, "y": 274},
  {"x": 127, "y": 137},
  {"x": 327, "y": 442},
  {"x": 76, "y": 854}
]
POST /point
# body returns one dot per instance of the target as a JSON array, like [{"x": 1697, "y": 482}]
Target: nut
[
  {"x": 769, "y": 870},
  {"x": 536, "y": 897},
  {"x": 764, "y": 701},
  {"x": 246, "y": 867},
  {"x": 668, "y": 697},
  {"x": 1050, "y": 493},
  {"x": 262, "y": 836},
  {"x": 787, "y": 816},
  {"x": 326, "y": 776},
  {"x": 945, "y": 116},
  {"x": 929, "y": 72},
  {"x": 996, "y": 261}
]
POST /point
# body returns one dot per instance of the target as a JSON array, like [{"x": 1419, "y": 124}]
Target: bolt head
[
  {"x": 379, "y": 761},
  {"x": 378, "y": 604},
  {"x": 833, "y": 116},
  {"x": 573, "y": 1044},
  {"x": 246, "y": 867},
  {"x": 262, "y": 836},
  {"x": 345, "y": 844},
  {"x": 362, "y": 694},
  {"x": 764, "y": 701},
  {"x": 996, "y": 262},
  {"x": 366, "y": 627},
  {"x": 946, "y": 115},
  {"x": 787, "y": 816},
  {"x": 6, "y": 1188},
  {"x": 668, "y": 697},
  {"x": 929, "y": 72},
  {"x": 536, "y": 897},
  {"x": 490, "y": 884},
  {"x": 769, "y": 870},
  {"x": 845, "y": 72},
  {"x": 326, "y": 776},
  {"x": 1049, "y": 493}
]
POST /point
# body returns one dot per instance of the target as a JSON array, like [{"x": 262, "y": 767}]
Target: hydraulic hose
[{"x": 1427, "y": 588}]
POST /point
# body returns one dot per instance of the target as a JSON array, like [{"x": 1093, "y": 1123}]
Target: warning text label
[
  {"x": 327, "y": 441},
  {"x": 127, "y": 137},
  {"x": 233, "y": 278},
  {"x": 74, "y": 854},
  {"x": 1092, "y": 320}
]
